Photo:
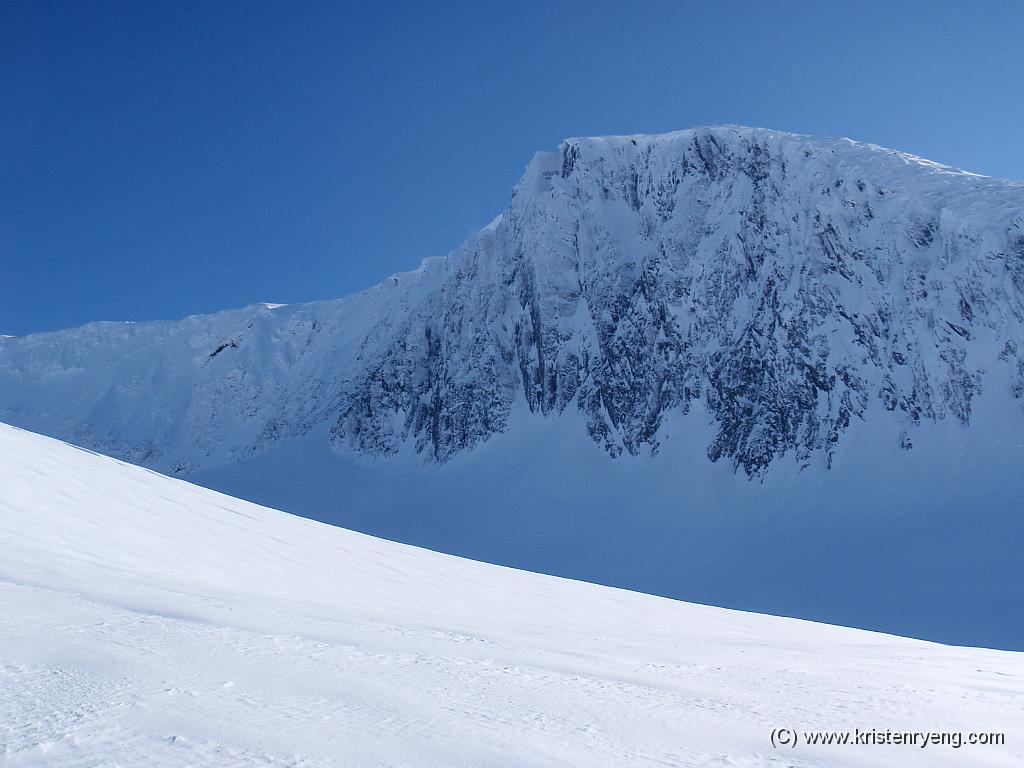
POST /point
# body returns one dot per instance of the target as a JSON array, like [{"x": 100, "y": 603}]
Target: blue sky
[{"x": 166, "y": 158}]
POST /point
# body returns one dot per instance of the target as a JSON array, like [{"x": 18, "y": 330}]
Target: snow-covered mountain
[
  {"x": 785, "y": 283},
  {"x": 746, "y": 324},
  {"x": 146, "y": 621}
]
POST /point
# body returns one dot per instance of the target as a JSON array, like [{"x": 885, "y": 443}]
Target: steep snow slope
[
  {"x": 704, "y": 364},
  {"x": 146, "y": 621},
  {"x": 924, "y": 543}
]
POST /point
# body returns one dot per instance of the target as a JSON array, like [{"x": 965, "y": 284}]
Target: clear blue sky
[{"x": 159, "y": 159}]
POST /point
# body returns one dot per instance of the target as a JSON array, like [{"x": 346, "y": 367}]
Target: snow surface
[
  {"x": 147, "y": 621},
  {"x": 923, "y": 543}
]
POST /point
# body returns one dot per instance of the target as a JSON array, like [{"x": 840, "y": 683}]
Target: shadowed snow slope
[{"x": 147, "y": 621}]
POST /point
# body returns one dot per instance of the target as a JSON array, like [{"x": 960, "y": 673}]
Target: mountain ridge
[{"x": 629, "y": 277}]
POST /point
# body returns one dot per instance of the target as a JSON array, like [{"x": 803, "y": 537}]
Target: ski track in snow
[{"x": 146, "y": 621}]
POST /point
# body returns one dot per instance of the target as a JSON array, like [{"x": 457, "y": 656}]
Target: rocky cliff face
[{"x": 788, "y": 285}]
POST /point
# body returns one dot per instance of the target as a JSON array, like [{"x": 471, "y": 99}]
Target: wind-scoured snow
[{"x": 147, "y": 621}]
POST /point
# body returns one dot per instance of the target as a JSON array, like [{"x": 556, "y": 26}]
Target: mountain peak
[
  {"x": 739, "y": 140},
  {"x": 658, "y": 363}
]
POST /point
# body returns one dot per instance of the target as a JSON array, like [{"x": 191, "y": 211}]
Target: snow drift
[{"x": 147, "y": 621}]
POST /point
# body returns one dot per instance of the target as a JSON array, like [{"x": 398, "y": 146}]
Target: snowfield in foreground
[{"x": 146, "y": 621}]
